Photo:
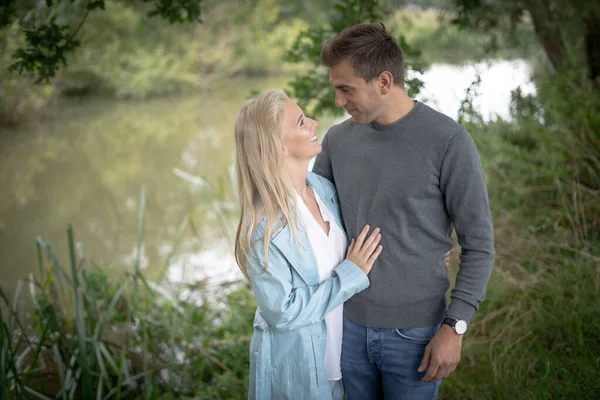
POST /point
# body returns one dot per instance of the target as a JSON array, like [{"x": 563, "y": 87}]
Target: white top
[{"x": 330, "y": 251}]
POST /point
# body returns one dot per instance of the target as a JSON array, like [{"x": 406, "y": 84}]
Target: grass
[
  {"x": 89, "y": 336},
  {"x": 537, "y": 336}
]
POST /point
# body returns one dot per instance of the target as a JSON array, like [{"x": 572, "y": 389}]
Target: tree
[
  {"x": 568, "y": 30},
  {"x": 312, "y": 90},
  {"x": 49, "y": 42}
]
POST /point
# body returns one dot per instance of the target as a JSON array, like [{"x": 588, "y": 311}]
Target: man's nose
[{"x": 340, "y": 100}]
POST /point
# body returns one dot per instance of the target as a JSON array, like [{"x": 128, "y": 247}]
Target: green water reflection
[{"x": 85, "y": 163}]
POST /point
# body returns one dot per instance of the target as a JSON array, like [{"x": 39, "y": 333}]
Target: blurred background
[{"x": 118, "y": 211}]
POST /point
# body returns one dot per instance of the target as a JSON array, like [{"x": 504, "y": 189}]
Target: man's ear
[{"x": 385, "y": 82}]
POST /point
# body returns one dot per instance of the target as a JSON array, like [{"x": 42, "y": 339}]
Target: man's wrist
[
  {"x": 449, "y": 332},
  {"x": 460, "y": 309},
  {"x": 458, "y": 326}
]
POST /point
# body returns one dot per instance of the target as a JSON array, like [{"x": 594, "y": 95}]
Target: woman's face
[{"x": 299, "y": 139}]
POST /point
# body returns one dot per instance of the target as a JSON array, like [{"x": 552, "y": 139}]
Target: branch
[{"x": 48, "y": 44}]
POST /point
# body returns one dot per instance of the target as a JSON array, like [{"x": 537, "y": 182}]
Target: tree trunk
[
  {"x": 592, "y": 46},
  {"x": 547, "y": 31}
]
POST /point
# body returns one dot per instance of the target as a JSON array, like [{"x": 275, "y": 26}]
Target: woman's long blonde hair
[{"x": 263, "y": 184}]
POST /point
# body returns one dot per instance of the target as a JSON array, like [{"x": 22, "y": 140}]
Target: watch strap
[{"x": 450, "y": 321}]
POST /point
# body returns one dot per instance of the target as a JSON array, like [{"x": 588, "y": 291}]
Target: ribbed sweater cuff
[{"x": 461, "y": 310}]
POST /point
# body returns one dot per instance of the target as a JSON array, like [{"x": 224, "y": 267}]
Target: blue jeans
[{"x": 383, "y": 363}]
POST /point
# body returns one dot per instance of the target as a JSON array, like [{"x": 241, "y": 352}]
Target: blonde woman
[{"x": 291, "y": 246}]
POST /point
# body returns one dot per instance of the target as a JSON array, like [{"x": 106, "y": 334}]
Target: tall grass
[
  {"x": 537, "y": 335},
  {"x": 88, "y": 336}
]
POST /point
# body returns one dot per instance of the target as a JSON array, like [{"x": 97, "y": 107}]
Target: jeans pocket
[{"x": 418, "y": 335}]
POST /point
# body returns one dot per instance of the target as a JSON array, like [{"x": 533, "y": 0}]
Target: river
[{"x": 86, "y": 161}]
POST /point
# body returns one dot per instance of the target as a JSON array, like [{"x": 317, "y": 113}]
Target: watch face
[{"x": 460, "y": 327}]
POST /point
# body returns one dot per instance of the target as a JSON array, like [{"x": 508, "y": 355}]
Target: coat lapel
[
  {"x": 329, "y": 198},
  {"x": 302, "y": 259}
]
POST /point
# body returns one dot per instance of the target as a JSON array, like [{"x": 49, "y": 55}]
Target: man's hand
[{"x": 442, "y": 354}]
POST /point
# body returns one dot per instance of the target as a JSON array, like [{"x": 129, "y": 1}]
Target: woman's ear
[{"x": 285, "y": 151}]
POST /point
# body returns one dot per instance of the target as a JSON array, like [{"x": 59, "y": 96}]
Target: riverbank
[
  {"x": 151, "y": 58},
  {"x": 101, "y": 324},
  {"x": 181, "y": 149},
  {"x": 535, "y": 336}
]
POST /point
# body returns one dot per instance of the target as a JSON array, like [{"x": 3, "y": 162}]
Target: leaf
[
  {"x": 96, "y": 4},
  {"x": 36, "y": 394}
]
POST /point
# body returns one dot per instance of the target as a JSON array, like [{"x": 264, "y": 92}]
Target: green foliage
[
  {"x": 538, "y": 326},
  {"x": 439, "y": 41},
  {"x": 21, "y": 98},
  {"x": 137, "y": 57},
  {"x": 90, "y": 336},
  {"x": 540, "y": 322},
  {"x": 566, "y": 29},
  {"x": 49, "y": 43},
  {"x": 536, "y": 336},
  {"x": 311, "y": 90},
  {"x": 142, "y": 57},
  {"x": 8, "y": 10},
  {"x": 175, "y": 10}
]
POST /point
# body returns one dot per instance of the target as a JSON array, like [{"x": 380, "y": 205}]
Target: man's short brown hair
[{"x": 370, "y": 49}]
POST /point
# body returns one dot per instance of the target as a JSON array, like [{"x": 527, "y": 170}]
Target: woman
[{"x": 291, "y": 246}]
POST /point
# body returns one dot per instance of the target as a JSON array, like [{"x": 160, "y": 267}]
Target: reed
[{"x": 90, "y": 336}]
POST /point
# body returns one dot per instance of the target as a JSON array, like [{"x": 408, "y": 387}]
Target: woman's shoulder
[
  {"x": 317, "y": 181},
  {"x": 259, "y": 230}
]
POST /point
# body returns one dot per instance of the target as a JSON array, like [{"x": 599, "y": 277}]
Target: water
[
  {"x": 445, "y": 86},
  {"x": 86, "y": 162}
]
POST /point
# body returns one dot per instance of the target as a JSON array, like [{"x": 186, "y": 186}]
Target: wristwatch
[{"x": 459, "y": 325}]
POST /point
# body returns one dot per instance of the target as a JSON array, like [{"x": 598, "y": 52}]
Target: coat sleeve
[{"x": 285, "y": 307}]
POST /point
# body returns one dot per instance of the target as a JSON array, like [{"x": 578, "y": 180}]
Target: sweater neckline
[{"x": 394, "y": 125}]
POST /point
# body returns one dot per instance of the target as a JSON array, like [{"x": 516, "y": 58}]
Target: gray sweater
[{"x": 416, "y": 179}]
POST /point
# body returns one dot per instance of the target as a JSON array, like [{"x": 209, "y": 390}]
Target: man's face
[{"x": 360, "y": 99}]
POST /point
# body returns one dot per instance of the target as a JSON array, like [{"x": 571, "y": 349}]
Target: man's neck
[{"x": 398, "y": 105}]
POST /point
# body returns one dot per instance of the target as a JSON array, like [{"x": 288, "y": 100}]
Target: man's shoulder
[
  {"x": 340, "y": 129},
  {"x": 437, "y": 123}
]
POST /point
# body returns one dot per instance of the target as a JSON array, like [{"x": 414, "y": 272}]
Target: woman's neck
[{"x": 297, "y": 171}]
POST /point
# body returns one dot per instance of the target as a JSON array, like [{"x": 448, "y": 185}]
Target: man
[{"x": 416, "y": 174}]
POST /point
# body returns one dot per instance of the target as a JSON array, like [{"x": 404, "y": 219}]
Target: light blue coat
[{"x": 287, "y": 350}]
